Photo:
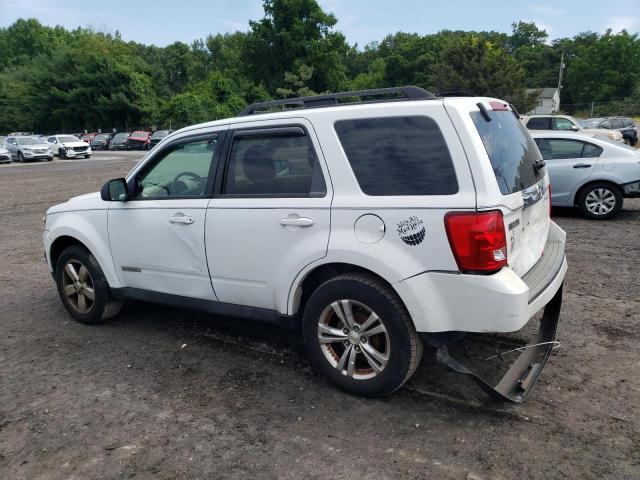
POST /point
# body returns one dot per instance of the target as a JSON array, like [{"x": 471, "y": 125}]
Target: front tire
[
  {"x": 87, "y": 156},
  {"x": 20, "y": 157},
  {"x": 83, "y": 288},
  {"x": 359, "y": 335},
  {"x": 600, "y": 201},
  {"x": 62, "y": 154}
]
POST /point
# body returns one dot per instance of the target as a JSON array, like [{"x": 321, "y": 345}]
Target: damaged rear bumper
[{"x": 518, "y": 382}]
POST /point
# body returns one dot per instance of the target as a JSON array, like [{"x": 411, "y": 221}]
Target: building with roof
[{"x": 548, "y": 100}]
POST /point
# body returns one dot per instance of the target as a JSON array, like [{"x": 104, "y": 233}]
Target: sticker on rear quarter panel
[{"x": 411, "y": 230}]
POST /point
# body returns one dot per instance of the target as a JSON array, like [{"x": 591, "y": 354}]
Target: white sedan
[{"x": 590, "y": 173}]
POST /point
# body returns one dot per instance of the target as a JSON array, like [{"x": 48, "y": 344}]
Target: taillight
[{"x": 478, "y": 240}]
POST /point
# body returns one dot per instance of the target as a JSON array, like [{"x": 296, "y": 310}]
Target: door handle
[
  {"x": 302, "y": 222},
  {"x": 582, "y": 165},
  {"x": 181, "y": 218}
]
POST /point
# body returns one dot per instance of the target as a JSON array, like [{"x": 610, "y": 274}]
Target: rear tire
[
  {"x": 359, "y": 335},
  {"x": 600, "y": 201},
  {"x": 83, "y": 288}
]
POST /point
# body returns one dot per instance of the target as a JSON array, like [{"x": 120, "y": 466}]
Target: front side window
[
  {"x": 278, "y": 164},
  {"x": 182, "y": 172},
  {"x": 559, "y": 149},
  {"x": 562, "y": 124},
  {"x": 393, "y": 156}
]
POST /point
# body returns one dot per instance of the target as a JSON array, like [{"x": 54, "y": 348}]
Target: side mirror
[
  {"x": 574, "y": 128},
  {"x": 115, "y": 190}
]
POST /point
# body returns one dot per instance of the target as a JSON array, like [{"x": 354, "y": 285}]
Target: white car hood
[
  {"x": 89, "y": 201},
  {"x": 75, "y": 144},
  {"x": 36, "y": 146},
  {"x": 602, "y": 132}
]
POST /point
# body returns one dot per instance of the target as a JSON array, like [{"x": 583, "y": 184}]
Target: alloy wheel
[
  {"x": 600, "y": 201},
  {"x": 78, "y": 287},
  {"x": 353, "y": 339}
]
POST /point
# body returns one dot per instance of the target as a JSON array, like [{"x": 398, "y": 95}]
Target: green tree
[
  {"x": 475, "y": 65},
  {"x": 294, "y": 33},
  {"x": 525, "y": 35}
]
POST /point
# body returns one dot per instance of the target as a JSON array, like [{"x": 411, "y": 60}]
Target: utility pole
[{"x": 562, "y": 65}]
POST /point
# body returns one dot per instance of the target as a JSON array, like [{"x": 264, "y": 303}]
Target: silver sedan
[{"x": 590, "y": 173}]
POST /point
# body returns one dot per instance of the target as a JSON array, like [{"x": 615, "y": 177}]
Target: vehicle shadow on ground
[
  {"x": 567, "y": 212},
  {"x": 268, "y": 342}
]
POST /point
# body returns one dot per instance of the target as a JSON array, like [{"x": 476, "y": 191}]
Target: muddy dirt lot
[{"x": 166, "y": 393}]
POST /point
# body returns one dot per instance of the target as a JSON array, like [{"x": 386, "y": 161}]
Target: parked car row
[
  {"x": 589, "y": 165},
  {"x": 21, "y": 146}
]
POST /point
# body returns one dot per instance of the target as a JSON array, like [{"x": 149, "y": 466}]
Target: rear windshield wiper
[{"x": 538, "y": 165}]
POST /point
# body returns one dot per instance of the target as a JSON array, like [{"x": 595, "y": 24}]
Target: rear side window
[
  {"x": 539, "y": 123},
  {"x": 398, "y": 156},
  {"x": 511, "y": 150},
  {"x": 558, "y": 149}
]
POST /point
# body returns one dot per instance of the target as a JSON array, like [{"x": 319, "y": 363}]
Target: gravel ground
[{"x": 167, "y": 393}]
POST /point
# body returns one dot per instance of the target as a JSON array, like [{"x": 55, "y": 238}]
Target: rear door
[
  {"x": 270, "y": 215},
  {"x": 521, "y": 180},
  {"x": 569, "y": 163}
]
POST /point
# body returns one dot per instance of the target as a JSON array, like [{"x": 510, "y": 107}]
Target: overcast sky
[{"x": 162, "y": 22}]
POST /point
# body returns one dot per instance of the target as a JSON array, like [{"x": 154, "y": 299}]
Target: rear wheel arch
[
  {"x": 589, "y": 184},
  {"x": 322, "y": 273}
]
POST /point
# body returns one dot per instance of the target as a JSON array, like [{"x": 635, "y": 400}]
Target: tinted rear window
[
  {"x": 511, "y": 150},
  {"x": 398, "y": 156}
]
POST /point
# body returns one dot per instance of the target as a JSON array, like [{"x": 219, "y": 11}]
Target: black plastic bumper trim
[{"x": 518, "y": 382}]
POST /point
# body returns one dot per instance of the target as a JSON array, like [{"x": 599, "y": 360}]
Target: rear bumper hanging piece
[{"x": 518, "y": 382}]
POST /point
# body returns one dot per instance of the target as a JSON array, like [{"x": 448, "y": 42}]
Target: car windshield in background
[
  {"x": 160, "y": 134},
  {"x": 139, "y": 135},
  {"x": 512, "y": 151},
  {"x": 121, "y": 135},
  {"x": 28, "y": 141},
  {"x": 590, "y": 123},
  {"x": 68, "y": 139},
  {"x": 102, "y": 136}
]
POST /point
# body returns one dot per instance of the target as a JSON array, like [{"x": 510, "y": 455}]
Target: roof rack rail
[
  {"x": 457, "y": 93},
  {"x": 331, "y": 99}
]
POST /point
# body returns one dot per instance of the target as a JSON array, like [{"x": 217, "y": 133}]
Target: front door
[
  {"x": 157, "y": 236},
  {"x": 270, "y": 216},
  {"x": 569, "y": 163}
]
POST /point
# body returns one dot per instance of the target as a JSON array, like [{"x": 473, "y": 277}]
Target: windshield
[
  {"x": 511, "y": 150},
  {"x": 594, "y": 123},
  {"x": 121, "y": 135},
  {"x": 28, "y": 141},
  {"x": 102, "y": 136},
  {"x": 139, "y": 134},
  {"x": 68, "y": 139},
  {"x": 160, "y": 134}
]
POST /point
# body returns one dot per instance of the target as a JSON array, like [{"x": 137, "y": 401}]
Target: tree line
[{"x": 53, "y": 79}]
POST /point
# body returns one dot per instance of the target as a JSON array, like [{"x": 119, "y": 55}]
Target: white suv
[{"x": 372, "y": 225}]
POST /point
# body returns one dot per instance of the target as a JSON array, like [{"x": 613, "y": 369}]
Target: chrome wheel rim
[
  {"x": 353, "y": 339},
  {"x": 600, "y": 201},
  {"x": 77, "y": 286}
]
